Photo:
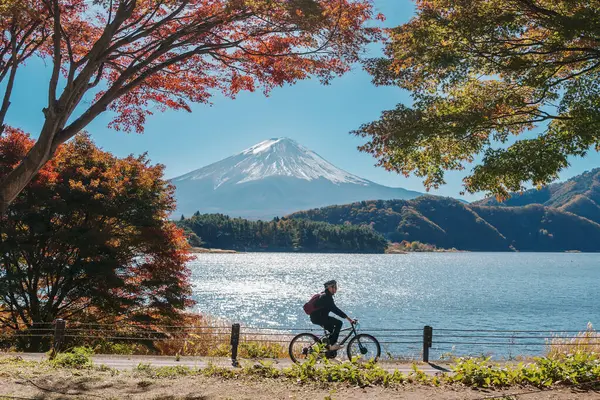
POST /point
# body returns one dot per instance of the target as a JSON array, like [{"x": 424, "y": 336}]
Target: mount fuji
[{"x": 274, "y": 178}]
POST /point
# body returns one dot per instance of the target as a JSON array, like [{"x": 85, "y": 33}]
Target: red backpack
[{"x": 311, "y": 306}]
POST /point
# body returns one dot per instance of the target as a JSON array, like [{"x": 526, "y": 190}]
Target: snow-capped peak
[
  {"x": 262, "y": 146},
  {"x": 276, "y": 157}
]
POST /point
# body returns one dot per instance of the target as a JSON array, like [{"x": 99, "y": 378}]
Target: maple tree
[
  {"x": 89, "y": 238},
  {"x": 128, "y": 56},
  {"x": 481, "y": 73}
]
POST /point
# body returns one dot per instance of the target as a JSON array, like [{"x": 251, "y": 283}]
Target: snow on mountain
[
  {"x": 273, "y": 178},
  {"x": 273, "y": 157}
]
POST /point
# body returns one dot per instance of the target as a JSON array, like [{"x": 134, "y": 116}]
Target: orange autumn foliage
[
  {"x": 89, "y": 239},
  {"x": 135, "y": 56}
]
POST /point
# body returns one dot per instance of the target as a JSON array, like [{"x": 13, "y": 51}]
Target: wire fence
[{"x": 216, "y": 339}]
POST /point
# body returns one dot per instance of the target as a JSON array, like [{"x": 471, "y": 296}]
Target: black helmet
[{"x": 330, "y": 283}]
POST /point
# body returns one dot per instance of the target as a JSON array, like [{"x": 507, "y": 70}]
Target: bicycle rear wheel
[
  {"x": 302, "y": 346},
  {"x": 365, "y": 346}
]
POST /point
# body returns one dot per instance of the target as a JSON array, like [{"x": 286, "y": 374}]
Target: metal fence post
[
  {"x": 235, "y": 340},
  {"x": 427, "y": 341},
  {"x": 59, "y": 334}
]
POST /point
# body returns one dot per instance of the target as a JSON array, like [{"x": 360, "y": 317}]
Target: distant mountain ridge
[
  {"x": 273, "y": 178},
  {"x": 579, "y": 195},
  {"x": 448, "y": 223}
]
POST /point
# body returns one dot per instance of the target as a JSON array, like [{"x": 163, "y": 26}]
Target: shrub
[
  {"x": 543, "y": 372},
  {"x": 125, "y": 349},
  {"x": 78, "y": 357},
  {"x": 352, "y": 372}
]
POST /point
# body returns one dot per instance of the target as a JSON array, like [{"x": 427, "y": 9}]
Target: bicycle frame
[
  {"x": 351, "y": 332},
  {"x": 309, "y": 342}
]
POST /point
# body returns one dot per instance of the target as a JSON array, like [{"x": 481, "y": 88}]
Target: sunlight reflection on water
[{"x": 524, "y": 291}]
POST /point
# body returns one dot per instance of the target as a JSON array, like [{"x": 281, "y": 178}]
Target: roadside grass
[
  {"x": 579, "y": 368},
  {"x": 587, "y": 341}
]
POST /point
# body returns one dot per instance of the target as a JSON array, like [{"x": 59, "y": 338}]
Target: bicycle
[{"x": 303, "y": 345}]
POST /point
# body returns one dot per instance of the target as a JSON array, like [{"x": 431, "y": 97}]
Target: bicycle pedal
[{"x": 331, "y": 354}]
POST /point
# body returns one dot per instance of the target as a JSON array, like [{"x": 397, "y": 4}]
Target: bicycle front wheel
[
  {"x": 364, "y": 346},
  {"x": 302, "y": 346}
]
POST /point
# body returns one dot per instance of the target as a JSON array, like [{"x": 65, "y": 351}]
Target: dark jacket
[{"x": 325, "y": 305}]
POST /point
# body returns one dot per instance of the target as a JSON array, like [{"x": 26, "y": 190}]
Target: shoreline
[
  {"x": 203, "y": 250},
  {"x": 200, "y": 250}
]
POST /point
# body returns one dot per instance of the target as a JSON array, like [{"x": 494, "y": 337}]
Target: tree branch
[
  {"x": 98, "y": 77},
  {"x": 118, "y": 89},
  {"x": 9, "y": 84},
  {"x": 141, "y": 33},
  {"x": 534, "y": 7},
  {"x": 57, "y": 59}
]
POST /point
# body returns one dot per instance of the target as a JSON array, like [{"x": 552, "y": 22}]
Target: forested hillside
[
  {"x": 539, "y": 228},
  {"x": 447, "y": 223},
  {"x": 282, "y": 234},
  {"x": 579, "y": 195}
]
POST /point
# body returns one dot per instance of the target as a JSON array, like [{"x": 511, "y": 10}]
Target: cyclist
[{"x": 324, "y": 305}]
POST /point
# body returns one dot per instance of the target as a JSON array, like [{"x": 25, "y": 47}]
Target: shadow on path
[{"x": 439, "y": 367}]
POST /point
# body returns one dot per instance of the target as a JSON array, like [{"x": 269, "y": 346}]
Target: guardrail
[{"x": 427, "y": 338}]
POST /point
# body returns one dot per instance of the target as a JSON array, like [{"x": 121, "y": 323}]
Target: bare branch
[
  {"x": 72, "y": 65},
  {"x": 10, "y": 83},
  {"x": 110, "y": 10},
  {"x": 55, "y": 12},
  {"x": 98, "y": 77},
  {"x": 147, "y": 16}
]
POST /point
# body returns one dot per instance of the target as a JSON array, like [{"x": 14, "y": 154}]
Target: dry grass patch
[{"x": 587, "y": 341}]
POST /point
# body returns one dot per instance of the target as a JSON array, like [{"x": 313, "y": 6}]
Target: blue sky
[{"x": 319, "y": 117}]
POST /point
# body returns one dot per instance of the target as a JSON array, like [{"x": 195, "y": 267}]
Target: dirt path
[
  {"x": 64, "y": 385},
  {"x": 40, "y": 381}
]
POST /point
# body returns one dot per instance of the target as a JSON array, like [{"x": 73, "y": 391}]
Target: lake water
[{"x": 460, "y": 291}]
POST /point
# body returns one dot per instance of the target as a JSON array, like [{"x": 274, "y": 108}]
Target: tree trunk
[{"x": 18, "y": 178}]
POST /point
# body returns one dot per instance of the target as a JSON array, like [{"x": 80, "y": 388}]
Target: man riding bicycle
[{"x": 324, "y": 305}]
